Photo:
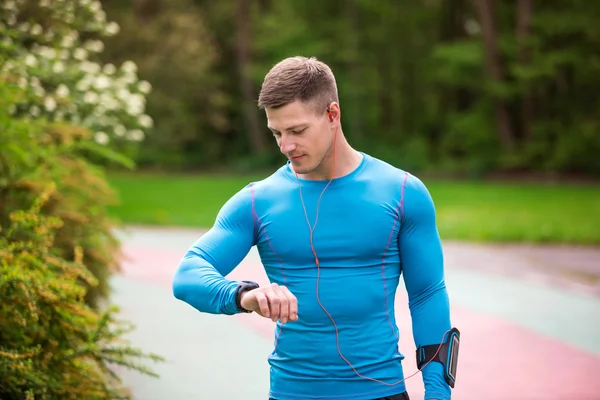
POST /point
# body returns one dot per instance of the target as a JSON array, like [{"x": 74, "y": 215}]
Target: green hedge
[{"x": 57, "y": 251}]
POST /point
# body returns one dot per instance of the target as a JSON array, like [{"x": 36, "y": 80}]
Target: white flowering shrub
[
  {"x": 49, "y": 48},
  {"x": 60, "y": 113}
]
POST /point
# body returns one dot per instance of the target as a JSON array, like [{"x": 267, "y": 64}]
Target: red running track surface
[{"x": 498, "y": 359}]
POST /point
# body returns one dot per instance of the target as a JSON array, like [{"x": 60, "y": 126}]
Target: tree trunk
[
  {"x": 146, "y": 9},
  {"x": 243, "y": 56},
  {"x": 494, "y": 69},
  {"x": 524, "y": 11},
  {"x": 353, "y": 66}
]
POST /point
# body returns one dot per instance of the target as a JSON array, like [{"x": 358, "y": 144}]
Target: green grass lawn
[{"x": 478, "y": 211}]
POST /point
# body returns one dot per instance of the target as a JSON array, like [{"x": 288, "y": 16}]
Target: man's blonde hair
[{"x": 299, "y": 78}]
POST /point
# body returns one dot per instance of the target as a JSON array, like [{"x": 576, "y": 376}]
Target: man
[{"x": 335, "y": 228}]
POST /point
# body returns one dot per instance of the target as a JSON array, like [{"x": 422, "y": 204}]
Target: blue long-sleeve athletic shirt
[{"x": 374, "y": 224}]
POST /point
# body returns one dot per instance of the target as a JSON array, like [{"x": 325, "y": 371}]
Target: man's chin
[
  {"x": 301, "y": 171},
  {"x": 302, "y": 168}
]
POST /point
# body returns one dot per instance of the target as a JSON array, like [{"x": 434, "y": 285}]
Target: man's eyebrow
[{"x": 289, "y": 128}]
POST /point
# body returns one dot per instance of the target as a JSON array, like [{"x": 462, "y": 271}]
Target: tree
[
  {"x": 493, "y": 64},
  {"x": 244, "y": 59}
]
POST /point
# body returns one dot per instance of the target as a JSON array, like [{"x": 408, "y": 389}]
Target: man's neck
[{"x": 345, "y": 161}]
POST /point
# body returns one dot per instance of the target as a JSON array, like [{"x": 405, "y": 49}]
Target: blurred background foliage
[{"x": 456, "y": 87}]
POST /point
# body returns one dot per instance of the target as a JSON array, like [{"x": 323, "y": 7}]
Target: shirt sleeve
[
  {"x": 200, "y": 276},
  {"x": 423, "y": 270}
]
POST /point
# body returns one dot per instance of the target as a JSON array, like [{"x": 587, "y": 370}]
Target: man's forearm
[
  {"x": 200, "y": 285},
  {"x": 431, "y": 320}
]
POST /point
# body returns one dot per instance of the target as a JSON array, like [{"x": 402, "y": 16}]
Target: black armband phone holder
[{"x": 447, "y": 355}]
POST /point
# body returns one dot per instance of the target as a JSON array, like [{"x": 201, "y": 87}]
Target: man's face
[{"x": 303, "y": 135}]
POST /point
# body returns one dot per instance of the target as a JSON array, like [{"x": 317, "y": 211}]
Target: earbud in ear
[{"x": 330, "y": 117}]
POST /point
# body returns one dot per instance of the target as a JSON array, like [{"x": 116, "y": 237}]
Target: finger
[
  {"x": 263, "y": 303},
  {"x": 274, "y": 303},
  {"x": 292, "y": 304},
  {"x": 284, "y": 308}
]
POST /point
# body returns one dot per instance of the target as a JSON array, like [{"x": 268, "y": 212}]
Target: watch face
[{"x": 249, "y": 285}]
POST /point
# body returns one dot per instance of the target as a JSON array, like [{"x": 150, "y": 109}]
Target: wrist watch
[{"x": 242, "y": 287}]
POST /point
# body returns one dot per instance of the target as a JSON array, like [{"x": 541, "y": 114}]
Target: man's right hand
[{"x": 273, "y": 301}]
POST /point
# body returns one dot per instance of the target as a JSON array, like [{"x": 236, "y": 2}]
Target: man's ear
[{"x": 333, "y": 110}]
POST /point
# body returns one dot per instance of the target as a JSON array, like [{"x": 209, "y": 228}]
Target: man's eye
[{"x": 299, "y": 131}]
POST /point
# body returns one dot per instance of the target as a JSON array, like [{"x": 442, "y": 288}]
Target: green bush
[
  {"x": 57, "y": 250},
  {"x": 36, "y": 153}
]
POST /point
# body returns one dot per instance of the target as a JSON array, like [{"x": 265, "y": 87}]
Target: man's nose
[{"x": 287, "y": 144}]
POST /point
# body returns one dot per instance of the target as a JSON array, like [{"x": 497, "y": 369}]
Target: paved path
[{"x": 529, "y": 317}]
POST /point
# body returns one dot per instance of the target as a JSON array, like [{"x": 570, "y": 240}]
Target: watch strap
[{"x": 242, "y": 287}]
